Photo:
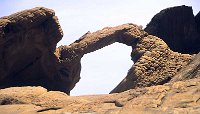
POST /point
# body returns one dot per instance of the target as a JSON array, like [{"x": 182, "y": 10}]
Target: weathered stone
[
  {"x": 28, "y": 56},
  {"x": 191, "y": 70},
  {"x": 177, "y": 97},
  {"x": 150, "y": 74},
  {"x": 27, "y": 44},
  {"x": 177, "y": 27}
]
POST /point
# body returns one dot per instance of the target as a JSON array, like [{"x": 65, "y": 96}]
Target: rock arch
[
  {"x": 154, "y": 62},
  {"x": 28, "y": 54}
]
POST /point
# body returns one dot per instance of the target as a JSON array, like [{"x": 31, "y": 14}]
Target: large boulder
[
  {"x": 28, "y": 40},
  {"x": 177, "y": 27}
]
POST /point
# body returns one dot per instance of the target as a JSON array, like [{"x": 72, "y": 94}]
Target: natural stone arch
[
  {"x": 28, "y": 58},
  {"x": 154, "y": 62}
]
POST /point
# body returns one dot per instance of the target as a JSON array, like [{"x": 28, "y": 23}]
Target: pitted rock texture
[
  {"x": 154, "y": 62},
  {"x": 156, "y": 65},
  {"x": 179, "y": 97},
  {"x": 70, "y": 56},
  {"x": 191, "y": 70},
  {"x": 27, "y": 44},
  {"x": 178, "y": 27}
]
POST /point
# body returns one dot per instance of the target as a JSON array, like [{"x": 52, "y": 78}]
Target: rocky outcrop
[
  {"x": 156, "y": 65},
  {"x": 174, "y": 97},
  {"x": 29, "y": 58},
  {"x": 154, "y": 62},
  {"x": 178, "y": 97},
  {"x": 177, "y": 27},
  {"x": 28, "y": 41}
]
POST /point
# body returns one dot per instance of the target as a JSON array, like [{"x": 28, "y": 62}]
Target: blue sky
[{"x": 104, "y": 69}]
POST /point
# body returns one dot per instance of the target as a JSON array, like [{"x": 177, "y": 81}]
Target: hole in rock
[{"x": 103, "y": 70}]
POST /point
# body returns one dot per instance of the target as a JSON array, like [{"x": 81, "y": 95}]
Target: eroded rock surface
[
  {"x": 191, "y": 70},
  {"x": 154, "y": 62},
  {"x": 178, "y": 97},
  {"x": 155, "y": 65},
  {"x": 27, "y": 43},
  {"x": 177, "y": 26},
  {"x": 28, "y": 56}
]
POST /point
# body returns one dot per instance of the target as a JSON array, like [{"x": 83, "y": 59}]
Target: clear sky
[{"x": 104, "y": 69}]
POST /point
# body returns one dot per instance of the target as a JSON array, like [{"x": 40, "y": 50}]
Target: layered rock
[
  {"x": 178, "y": 28},
  {"x": 178, "y": 97}
]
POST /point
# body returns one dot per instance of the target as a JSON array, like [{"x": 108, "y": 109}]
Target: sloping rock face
[
  {"x": 191, "y": 70},
  {"x": 178, "y": 28},
  {"x": 27, "y": 43},
  {"x": 28, "y": 56},
  {"x": 178, "y": 97}
]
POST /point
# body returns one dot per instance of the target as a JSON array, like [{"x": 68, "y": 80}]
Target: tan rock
[{"x": 177, "y": 97}]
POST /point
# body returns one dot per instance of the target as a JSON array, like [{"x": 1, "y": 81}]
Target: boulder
[
  {"x": 28, "y": 41},
  {"x": 178, "y": 28}
]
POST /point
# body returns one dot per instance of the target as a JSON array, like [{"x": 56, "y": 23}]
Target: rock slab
[{"x": 178, "y": 97}]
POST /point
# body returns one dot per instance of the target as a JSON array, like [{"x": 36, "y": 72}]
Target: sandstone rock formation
[
  {"x": 28, "y": 42},
  {"x": 29, "y": 57},
  {"x": 179, "y": 97},
  {"x": 157, "y": 65},
  {"x": 154, "y": 63},
  {"x": 178, "y": 28},
  {"x": 174, "y": 97}
]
